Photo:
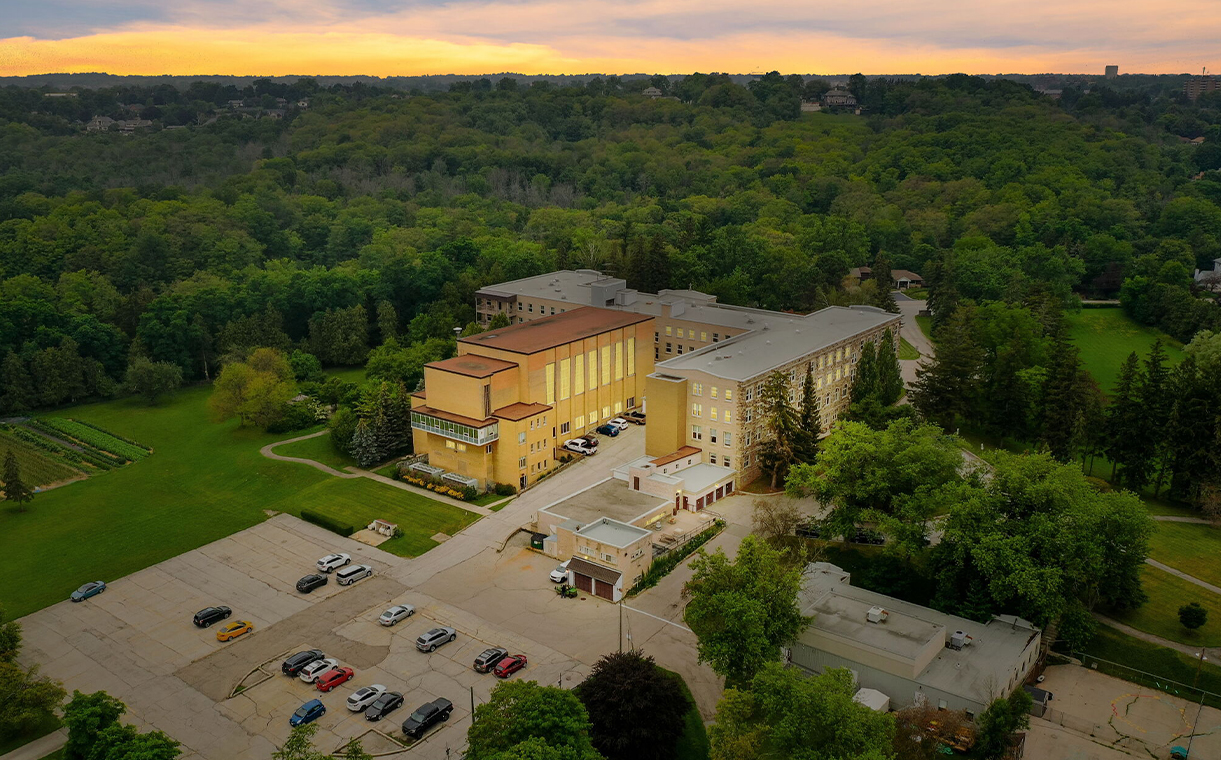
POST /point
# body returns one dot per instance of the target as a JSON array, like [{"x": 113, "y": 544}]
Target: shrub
[
  {"x": 469, "y": 493},
  {"x": 325, "y": 521},
  {"x": 505, "y": 489},
  {"x": 295, "y": 417},
  {"x": 662, "y": 567}
]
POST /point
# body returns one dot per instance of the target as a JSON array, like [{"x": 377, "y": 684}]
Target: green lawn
[
  {"x": 926, "y": 326},
  {"x": 38, "y": 467},
  {"x": 1156, "y": 506},
  {"x": 1162, "y": 663},
  {"x": 318, "y": 449},
  {"x": 204, "y": 482},
  {"x": 10, "y": 743},
  {"x": 693, "y": 744},
  {"x": 1105, "y": 337},
  {"x": 1192, "y": 548},
  {"x": 919, "y": 294},
  {"x": 1160, "y": 614},
  {"x": 907, "y": 351},
  {"x": 347, "y": 374}
]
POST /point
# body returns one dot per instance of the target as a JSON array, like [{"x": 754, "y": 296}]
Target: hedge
[
  {"x": 324, "y": 521},
  {"x": 662, "y": 567}
]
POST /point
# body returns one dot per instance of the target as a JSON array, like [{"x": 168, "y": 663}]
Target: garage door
[
  {"x": 584, "y": 582},
  {"x": 604, "y": 589}
]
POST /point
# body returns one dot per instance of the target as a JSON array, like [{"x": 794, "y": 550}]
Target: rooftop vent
[
  {"x": 958, "y": 640},
  {"x": 876, "y": 615}
]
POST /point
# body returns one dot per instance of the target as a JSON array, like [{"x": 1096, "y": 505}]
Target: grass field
[
  {"x": 1192, "y": 548},
  {"x": 926, "y": 327},
  {"x": 318, "y": 449},
  {"x": 1105, "y": 337},
  {"x": 12, "y": 742},
  {"x": 1162, "y": 663},
  {"x": 907, "y": 351},
  {"x": 1160, "y": 614},
  {"x": 206, "y": 481},
  {"x": 693, "y": 744},
  {"x": 38, "y": 468}
]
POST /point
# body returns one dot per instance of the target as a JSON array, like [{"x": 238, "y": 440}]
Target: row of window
[
  {"x": 697, "y": 410},
  {"x": 697, "y": 389},
  {"x": 678, "y": 332},
  {"x": 697, "y": 434},
  {"x": 598, "y": 367}
]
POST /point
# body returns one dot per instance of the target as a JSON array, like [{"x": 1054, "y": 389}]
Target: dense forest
[{"x": 369, "y": 213}]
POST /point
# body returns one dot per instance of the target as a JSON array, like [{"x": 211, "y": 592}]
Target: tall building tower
[{"x": 1112, "y": 72}]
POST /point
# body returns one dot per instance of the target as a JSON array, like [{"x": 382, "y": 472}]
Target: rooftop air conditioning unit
[
  {"x": 876, "y": 615},
  {"x": 958, "y": 640}
]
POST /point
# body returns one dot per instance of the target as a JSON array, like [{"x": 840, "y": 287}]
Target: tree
[
  {"x": 340, "y": 336},
  {"x": 255, "y": 391},
  {"x": 387, "y": 321},
  {"x": 743, "y": 611},
  {"x": 15, "y": 489},
  {"x": 87, "y": 716},
  {"x": 524, "y": 720},
  {"x": 343, "y": 427},
  {"x": 780, "y": 422},
  {"x": 923, "y": 729},
  {"x": 1193, "y": 616},
  {"x": 889, "y": 375},
  {"x": 10, "y": 638},
  {"x": 125, "y": 742},
  {"x": 999, "y": 722},
  {"x": 865, "y": 384},
  {"x": 305, "y": 366},
  {"x": 300, "y": 745},
  {"x": 775, "y": 518},
  {"x": 785, "y": 714},
  {"x": 16, "y": 388},
  {"x": 499, "y": 319},
  {"x": 946, "y": 389},
  {"x": 1125, "y": 423},
  {"x": 29, "y": 699},
  {"x": 809, "y": 425},
  {"x": 364, "y": 447},
  {"x": 150, "y": 380},
  {"x": 354, "y": 750},
  {"x": 636, "y": 709},
  {"x": 884, "y": 298},
  {"x": 1064, "y": 401}
]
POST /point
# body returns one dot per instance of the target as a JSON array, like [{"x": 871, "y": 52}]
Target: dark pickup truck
[{"x": 426, "y": 716}]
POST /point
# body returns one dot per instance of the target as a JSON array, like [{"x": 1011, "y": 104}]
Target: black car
[
  {"x": 210, "y": 615},
  {"x": 292, "y": 666},
  {"x": 426, "y": 716},
  {"x": 384, "y": 705},
  {"x": 870, "y": 537},
  {"x": 591, "y": 439},
  {"x": 311, "y": 582},
  {"x": 809, "y": 530},
  {"x": 488, "y": 658}
]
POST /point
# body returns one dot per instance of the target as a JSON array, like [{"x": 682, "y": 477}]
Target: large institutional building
[{"x": 703, "y": 395}]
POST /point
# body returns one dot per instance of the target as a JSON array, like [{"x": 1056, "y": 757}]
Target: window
[
  {"x": 750, "y": 415},
  {"x": 712, "y": 392},
  {"x": 519, "y": 305},
  {"x": 618, "y": 407},
  {"x": 631, "y": 402},
  {"x": 712, "y": 413},
  {"x": 580, "y": 421},
  {"x": 521, "y": 438},
  {"x": 593, "y": 416},
  {"x": 729, "y": 394},
  {"x": 716, "y": 337},
  {"x": 750, "y": 394},
  {"x": 488, "y": 449},
  {"x": 608, "y": 558},
  {"x": 521, "y": 463},
  {"x": 837, "y": 373},
  {"x": 631, "y": 356},
  {"x": 680, "y": 349},
  {"x": 565, "y": 378},
  {"x": 669, "y": 331},
  {"x": 564, "y": 428},
  {"x": 726, "y": 461},
  {"x": 553, "y": 310},
  {"x": 669, "y": 350},
  {"x": 839, "y": 354},
  {"x": 656, "y": 336},
  {"x": 729, "y": 415},
  {"x": 550, "y": 372},
  {"x": 605, "y": 412},
  {"x": 703, "y": 336},
  {"x": 619, "y": 360},
  {"x": 712, "y": 435},
  {"x": 712, "y": 459},
  {"x": 530, "y": 308},
  {"x": 461, "y": 447},
  {"x": 820, "y": 383},
  {"x": 592, "y": 360},
  {"x": 728, "y": 438},
  {"x": 697, "y": 389},
  {"x": 697, "y": 410},
  {"x": 750, "y": 436},
  {"x": 450, "y": 444},
  {"x": 697, "y": 433}
]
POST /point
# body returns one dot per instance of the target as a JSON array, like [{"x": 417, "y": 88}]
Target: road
[{"x": 912, "y": 333}]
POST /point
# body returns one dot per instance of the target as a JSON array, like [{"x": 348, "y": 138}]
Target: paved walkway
[
  {"x": 1176, "y": 518},
  {"x": 356, "y": 472},
  {"x": 39, "y": 748},
  {"x": 912, "y": 333},
  {"x": 1210, "y": 653},
  {"x": 1183, "y": 575}
]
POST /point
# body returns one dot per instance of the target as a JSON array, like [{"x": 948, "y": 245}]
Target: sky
[{"x": 413, "y": 37}]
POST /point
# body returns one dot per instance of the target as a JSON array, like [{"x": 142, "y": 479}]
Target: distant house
[
  {"x": 235, "y": 104},
  {"x": 1197, "y": 141},
  {"x": 60, "y": 95},
  {"x": 1210, "y": 279},
  {"x": 99, "y": 124},
  {"x": 838, "y": 98},
  {"x": 809, "y": 106},
  {"x": 860, "y": 274},
  {"x": 281, "y": 102},
  {"x": 652, "y": 92},
  {"x": 131, "y": 125},
  {"x": 274, "y": 113},
  {"x": 904, "y": 279},
  {"x": 303, "y": 103}
]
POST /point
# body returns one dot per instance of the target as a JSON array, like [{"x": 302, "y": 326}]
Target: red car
[
  {"x": 333, "y": 678},
  {"x": 510, "y": 665}
]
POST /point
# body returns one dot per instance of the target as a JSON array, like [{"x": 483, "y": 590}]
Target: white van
[{"x": 352, "y": 573}]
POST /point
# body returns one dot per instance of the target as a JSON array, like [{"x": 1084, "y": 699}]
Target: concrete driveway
[{"x": 909, "y": 308}]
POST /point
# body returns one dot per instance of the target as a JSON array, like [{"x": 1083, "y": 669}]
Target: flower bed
[{"x": 436, "y": 486}]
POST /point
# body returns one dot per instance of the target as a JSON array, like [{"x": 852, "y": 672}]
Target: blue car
[
  {"x": 609, "y": 430},
  {"x": 308, "y": 713},
  {"x": 93, "y": 588}
]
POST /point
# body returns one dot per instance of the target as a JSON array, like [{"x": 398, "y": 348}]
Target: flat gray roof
[
  {"x": 777, "y": 341},
  {"x": 613, "y": 532},
  {"x": 609, "y": 498}
]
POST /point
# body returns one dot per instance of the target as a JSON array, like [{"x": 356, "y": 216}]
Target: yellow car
[{"x": 233, "y": 630}]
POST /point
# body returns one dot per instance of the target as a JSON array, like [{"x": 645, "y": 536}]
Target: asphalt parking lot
[{"x": 136, "y": 641}]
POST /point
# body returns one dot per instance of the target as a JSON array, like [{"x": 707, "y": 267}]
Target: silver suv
[
  {"x": 429, "y": 642},
  {"x": 353, "y": 573}
]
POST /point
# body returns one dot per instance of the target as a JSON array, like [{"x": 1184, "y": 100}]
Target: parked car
[
  {"x": 311, "y": 582},
  {"x": 396, "y": 613},
  {"x": 636, "y": 418},
  {"x": 293, "y": 665},
  {"x": 560, "y": 574},
  {"x": 333, "y": 562},
  {"x": 93, "y": 588},
  {"x": 352, "y": 573},
  {"x": 608, "y": 430},
  {"x": 866, "y": 536},
  {"x": 209, "y": 615},
  {"x": 365, "y": 696},
  {"x": 620, "y": 423},
  {"x": 230, "y": 631},
  {"x": 509, "y": 665},
  {"x": 308, "y": 713},
  {"x": 591, "y": 439},
  {"x": 310, "y": 672},
  {"x": 428, "y": 642},
  {"x": 332, "y": 678},
  {"x": 384, "y": 705},
  {"x": 809, "y": 530},
  {"x": 426, "y": 716},
  {"x": 489, "y": 658},
  {"x": 580, "y": 446}
]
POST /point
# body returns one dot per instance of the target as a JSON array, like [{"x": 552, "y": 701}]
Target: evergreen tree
[
  {"x": 650, "y": 266},
  {"x": 1190, "y": 433},
  {"x": 865, "y": 384},
  {"x": 1062, "y": 423},
  {"x": 883, "y": 297},
  {"x": 499, "y": 320},
  {"x": 1124, "y": 422},
  {"x": 15, "y": 489},
  {"x": 809, "y": 424},
  {"x": 890, "y": 377},
  {"x": 781, "y": 423},
  {"x": 364, "y": 444},
  {"x": 387, "y": 321},
  {"x": 1155, "y": 403},
  {"x": 947, "y": 387},
  {"x": 16, "y": 387}
]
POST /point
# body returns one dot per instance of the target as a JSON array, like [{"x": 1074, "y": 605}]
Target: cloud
[{"x": 577, "y": 36}]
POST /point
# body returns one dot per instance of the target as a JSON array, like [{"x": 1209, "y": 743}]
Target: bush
[
  {"x": 662, "y": 567},
  {"x": 324, "y": 521},
  {"x": 469, "y": 493},
  {"x": 295, "y": 417},
  {"x": 505, "y": 489}
]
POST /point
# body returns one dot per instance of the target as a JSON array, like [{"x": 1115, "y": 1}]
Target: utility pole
[
  {"x": 1192, "y": 736},
  {"x": 1199, "y": 667},
  {"x": 472, "y": 704},
  {"x": 620, "y": 626}
]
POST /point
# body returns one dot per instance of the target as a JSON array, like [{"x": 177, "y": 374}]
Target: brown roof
[
  {"x": 458, "y": 418},
  {"x": 472, "y": 365},
  {"x": 903, "y": 274},
  {"x": 549, "y": 332},
  {"x": 519, "y": 411},
  {"x": 593, "y": 570},
  {"x": 685, "y": 451}
]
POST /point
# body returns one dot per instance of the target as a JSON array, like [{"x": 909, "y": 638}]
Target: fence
[
  {"x": 1150, "y": 680},
  {"x": 1080, "y": 725}
]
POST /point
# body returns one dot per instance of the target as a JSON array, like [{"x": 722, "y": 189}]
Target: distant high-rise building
[
  {"x": 1112, "y": 72},
  {"x": 1197, "y": 86}
]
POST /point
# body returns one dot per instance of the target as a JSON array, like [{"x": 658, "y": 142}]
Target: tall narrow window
[
  {"x": 606, "y": 365},
  {"x": 592, "y": 359},
  {"x": 578, "y": 374},
  {"x": 631, "y": 356},
  {"x": 619, "y": 360},
  {"x": 550, "y": 383},
  {"x": 565, "y": 377}
]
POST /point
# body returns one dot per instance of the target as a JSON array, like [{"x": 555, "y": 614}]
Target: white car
[
  {"x": 365, "y": 696},
  {"x": 620, "y": 423},
  {"x": 333, "y": 562},
  {"x": 580, "y": 446},
  {"x": 560, "y": 574},
  {"x": 310, "y": 672},
  {"x": 396, "y": 613}
]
